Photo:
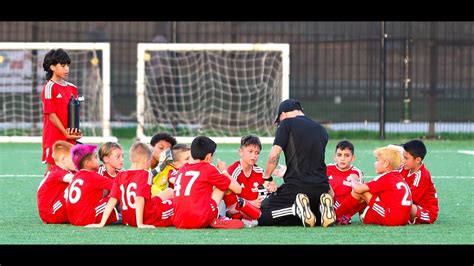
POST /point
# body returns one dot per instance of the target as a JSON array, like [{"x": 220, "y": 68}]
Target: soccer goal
[
  {"x": 22, "y": 78},
  {"x": 223, "y": 91}
]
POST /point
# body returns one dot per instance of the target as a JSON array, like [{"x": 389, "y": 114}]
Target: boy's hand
[
  {"x": 221, "y": 165},
  {"x": 270, "y": 185},
  {"x": 354, "y": 180},
  {"x": 73, "y": 133}
]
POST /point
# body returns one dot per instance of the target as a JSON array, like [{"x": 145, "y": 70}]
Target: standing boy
[{"x": 55, "y": 98}]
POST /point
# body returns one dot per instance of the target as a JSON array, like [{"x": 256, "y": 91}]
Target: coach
[{"x": 304, "y": 143}]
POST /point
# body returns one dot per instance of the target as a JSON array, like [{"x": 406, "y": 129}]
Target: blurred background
[{"x": 338, "y": 70}]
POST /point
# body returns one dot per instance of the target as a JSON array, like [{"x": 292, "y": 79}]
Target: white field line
[{"x": 466, "y": 152}]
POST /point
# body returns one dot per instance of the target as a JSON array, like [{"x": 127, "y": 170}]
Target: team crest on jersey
[
  {"x": 347, "y": 182},
  {"x": 255, "y": 187}
]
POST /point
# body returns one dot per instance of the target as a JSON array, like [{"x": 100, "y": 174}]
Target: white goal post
[
  {"x": 22, "y": 78},
  {"x": 221, "y": 90}
]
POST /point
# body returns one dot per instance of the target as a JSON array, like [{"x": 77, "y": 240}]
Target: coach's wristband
[{"x": 269, "y": 179}]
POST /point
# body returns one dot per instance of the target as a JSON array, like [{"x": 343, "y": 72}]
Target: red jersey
[
  {"x": 340, "y": 181},
  {"x": 422, "y": 189},
  {"x": 130, "y": 184},
  {"x": 103, "y": 172},
  {"x": 194, "y": 205},
  {"x": 249, "y": 183},
  {"x": 391, "y": 198},
  {"x": 51, "y": 197},
  {"x": 84, "y": 194},
  {"x": 55, "y": 98}
]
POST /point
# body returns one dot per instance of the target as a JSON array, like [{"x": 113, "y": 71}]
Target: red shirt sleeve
[
  {"x": 217, "y": 179},
  {"x": 378, "y": 185},
  {"x": 49, "y": 100}
]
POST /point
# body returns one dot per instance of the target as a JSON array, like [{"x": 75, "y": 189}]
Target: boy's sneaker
[
  {"x": 303, "y": 210},
  {"x": 250, "y": 223},
  {"x": 226, "y": 223},
  {"x": 328, "y": 215}
]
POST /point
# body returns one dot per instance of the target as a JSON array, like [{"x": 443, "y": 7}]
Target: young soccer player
[
  {"x": 50, "y": 197},
  {"x": 111, "y": 154},
  {"x": 386, "y": 198},
  {"x": 245, "y": 171},
  {"x": 55, "y": 98},
  {"x": 85, "y": 203},
  {"x": 133, "y": 189},
  {"x": 425, "y": 199},
  {"x": 199, "y": 189},
  {"x": 181, "y": 154},
  {"x": 339, "y": 175},
  {"x": 160, "y": 142}
]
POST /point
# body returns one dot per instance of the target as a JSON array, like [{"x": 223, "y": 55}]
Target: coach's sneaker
[
  {"x": 328, "y": 215},
  {"x": 303, "y": 210}
]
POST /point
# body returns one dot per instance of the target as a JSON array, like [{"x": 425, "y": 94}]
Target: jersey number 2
[{"x": 405, "y": 202}]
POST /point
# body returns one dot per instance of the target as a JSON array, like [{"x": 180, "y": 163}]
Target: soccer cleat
[
  {"x": 328, "y": 215},
  {"x": 226, "y": 223},
  {"x": 303, "y": 210}
]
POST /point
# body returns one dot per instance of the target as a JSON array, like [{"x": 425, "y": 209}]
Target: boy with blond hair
[
  {"x": 133, "y": 189},
  {"x": 180, "y": 154},
  {"x": 386, "y": 198},
  {"x": 111, "y": 154},
  {"x": 50, "y": 197}
]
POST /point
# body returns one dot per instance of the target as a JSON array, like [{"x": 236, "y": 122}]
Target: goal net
[
  {"x": 223, "y": 91},
  {"x": 22, "y": 78}
]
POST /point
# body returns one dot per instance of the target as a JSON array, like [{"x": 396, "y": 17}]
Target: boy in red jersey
[
  {"x": 133, "y": 188},
  {"x": 181, "y": 155},
  {"x": 199, "y": 189},
  {"x": 111, "y": 154},
  {"x": 250, "y": 177},
  {"x": 85, "y": 203},
  {"x": 55, "y": 98},
  {"x": 386, "y": 198},
  {"x": 339, "y": 175},
  {"x": 425, "y": 199},
  {"x": 51, "y": 196}
]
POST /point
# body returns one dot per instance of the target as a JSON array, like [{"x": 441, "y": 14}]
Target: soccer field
[{"x": 451, "y": 164}]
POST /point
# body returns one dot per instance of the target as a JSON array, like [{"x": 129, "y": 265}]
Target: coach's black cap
[{"x": 288, "y": 106}]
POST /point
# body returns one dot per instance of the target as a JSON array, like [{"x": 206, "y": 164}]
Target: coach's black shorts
[{"x": 285, "y": 197}]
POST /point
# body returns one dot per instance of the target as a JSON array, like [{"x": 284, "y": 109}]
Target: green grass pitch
[{"x": 450, "y": 162}]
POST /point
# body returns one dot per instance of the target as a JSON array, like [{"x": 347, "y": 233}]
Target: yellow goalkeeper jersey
[{"x": 160, "y": 181}]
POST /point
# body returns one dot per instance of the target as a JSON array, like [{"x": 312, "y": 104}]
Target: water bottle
[{"x": 73, "y": 112}]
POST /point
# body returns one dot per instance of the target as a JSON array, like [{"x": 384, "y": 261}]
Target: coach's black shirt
[{"x": 304, "y": 143}]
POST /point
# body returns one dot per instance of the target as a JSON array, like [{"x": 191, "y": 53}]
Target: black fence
[{"x": 338, "y": 70}]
